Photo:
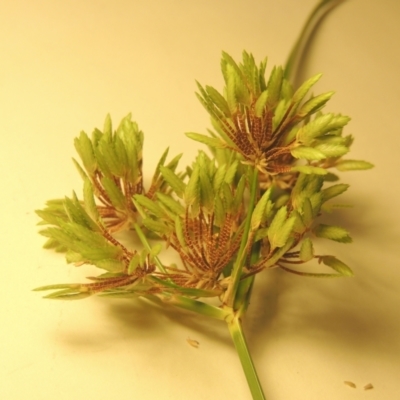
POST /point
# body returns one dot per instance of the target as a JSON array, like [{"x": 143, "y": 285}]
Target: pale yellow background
[{"x": 64, "y": 65}]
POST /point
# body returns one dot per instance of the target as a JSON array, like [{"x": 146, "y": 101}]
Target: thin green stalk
[
  {"x": 236, "y": 331},
  {"x": 198, "y": 307},
  {"x": 243, "y": 294},
  {"x": 315, "y": 17},
  {"x": 146, "y": 244},
  {"x": 230, "y": 294}
]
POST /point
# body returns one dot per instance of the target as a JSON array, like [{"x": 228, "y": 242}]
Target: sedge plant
[{"x": 251, "y": 201}]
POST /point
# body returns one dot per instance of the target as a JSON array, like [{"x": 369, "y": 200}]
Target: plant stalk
[
  {"x": 239, "y": 340},
  {"x": 317, "y": 14},
  {"x": 230, "y": 294}
]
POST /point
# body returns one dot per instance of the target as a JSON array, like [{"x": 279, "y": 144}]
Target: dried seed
[
  {"x": 193, "y": 343},
  {"x": 368, "y": 387},
  {"x": 351, "y": 384}
]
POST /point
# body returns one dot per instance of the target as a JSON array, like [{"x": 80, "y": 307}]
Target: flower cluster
[{"x": 254, "y": 204}]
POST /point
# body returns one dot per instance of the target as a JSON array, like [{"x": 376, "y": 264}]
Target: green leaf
[
  {"x": 310, "y": 274},
  {"x": 179, "y": 232},
  {"x": 259, "y": 211},
  {"x": 192, "y": 188},
  {"x": 209, "y": 141},
  {"x": 261, "y": 104},
  {"x": 279, "y": 253},
  {"x": 111, "y": 265},
  {"x": 274, "y": 87},
  {"x": 218, "y": 100},
  {"x": 153, "y": 207},
  {"x": 133, "y": 263},
  {"x": 351, "y": 165},
  {"x": 308, "y": 153},
  {"x": 322, "y": 125},
  {"x": 219, "y": 211},
  {"x": 82, "y": 173},
  {"x": 304, "y": 88},
  {"x": 219, "y": 178},
  {"x": 231, "y": 89},
  {"x": 308, "y": 169},
  {"x": 307, "y": 212},
  {"x": 207, "y": 192},
  {"x": 58, "y": 286},
  {"x": 306, "y": 250},
  {"x": 88, "y": 197},
  {"x": 231, "y": 172},
  {"x": 261, "y": 234},
  {"x": 332, "y": 232},
  {"x": 155, "y": 250},
  {"x": 331, "y": 149},
  {"x": 333, "y": 191},
  {"x": 114, "y": 193},
  {"x": 68, "y": 294},
  {"x": 238, "y": 200},
  {"x": 176, "y": 183},
  {"x": 77, "y": 213},
  {"x": 337, "y": 265},
  {"x": 107, "y": 127},
  {"x": 314, "y": 104},
  {"x": 299, "y": 226},
  {"x": 172, "y": 204},
  {"x": 157, "y": 227},
  {"x": 280, "y": 229},
  {"x": 84, "y": 147}
]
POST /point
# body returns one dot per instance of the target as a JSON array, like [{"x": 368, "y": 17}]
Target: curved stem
[
  {"x": 239, "y": 340},
  {"x": 321, "y": 9}
]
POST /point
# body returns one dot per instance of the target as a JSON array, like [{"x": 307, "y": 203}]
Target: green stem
[
  {"x": 230, "y": 293},
  {"x": 315, "y": 17},
  {"x": 236, "y": 331},
  {"x": 243, "y": 294},
  {"x": 147, "y": 246},
  {"x": 198, "y": 307}
]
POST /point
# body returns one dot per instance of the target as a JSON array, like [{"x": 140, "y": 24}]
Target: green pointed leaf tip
[
  {"x": 259, "y": 211},
  {"x": 192, "y": 191},
  {"x": 337, "y": 265},
  {"x": 308, "y": 153},
  {"x": 331, "y": 149},
  {"x": 218, "y": 100},
  {"x": 68, "y": 294},
  {"x": 90, "y": 204},
  {"x": 332, "y": 232},
  {"x": 107, "y": 128},
  {"x": 333, "y": 191},
  {"x": 114, "y": 193},
  {"x": 152, "y": 206},
  {"x": 304, "y": 88},
  {"x": 314, "y": 104},
  {"x": 308, "y": 169},
  {"x": 84, "y": 147},
  {"x": 209, "y": 141},
  {"x": 281, "y": 228},
  {"x": 261, "y": 104},
  {"x": 173, "y": 205},
  {"x": 274, "y": 86},
  {"x": 351, "y": 165},
  {"x": 306, "y": 250},
  {"x": 206, "y": 190},
  {"x": 176, "y": 183},
  {"x": 77, "y": 214},
  {"x": 157, "y": 227},
  {"x": 321, "y": 125}
]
